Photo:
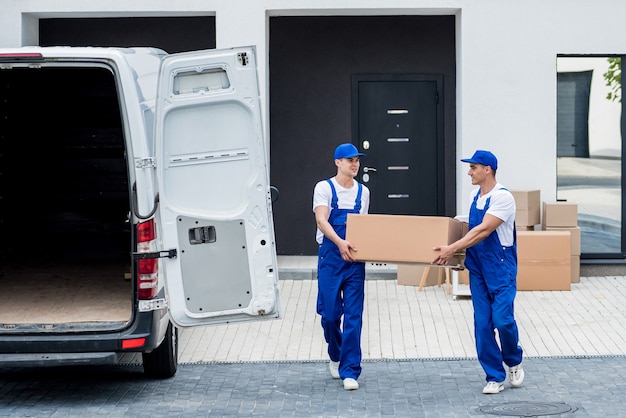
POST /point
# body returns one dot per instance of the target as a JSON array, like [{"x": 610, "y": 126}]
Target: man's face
[
  {"x": 478, "y": 173},
  {"x": 349, "y": 166}
]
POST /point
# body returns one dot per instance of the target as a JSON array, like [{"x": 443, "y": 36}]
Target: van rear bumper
[
  {"x": 58, "y": 359},
  {"x": 53, "y": 346}
]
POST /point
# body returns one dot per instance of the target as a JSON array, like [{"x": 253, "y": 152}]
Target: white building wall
[{"x": 506, "y": 60}]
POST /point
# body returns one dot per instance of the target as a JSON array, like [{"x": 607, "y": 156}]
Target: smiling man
[
  {"x": 341, "y": 279},
  {"x": 491, "y": 258}
]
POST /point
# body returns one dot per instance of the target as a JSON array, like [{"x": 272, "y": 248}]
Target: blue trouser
[
  {"x": 493, "y": 292},
  {"x": 341, "y": 291}
]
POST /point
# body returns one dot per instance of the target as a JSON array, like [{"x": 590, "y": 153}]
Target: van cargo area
[{"x": 65, "y": 253}]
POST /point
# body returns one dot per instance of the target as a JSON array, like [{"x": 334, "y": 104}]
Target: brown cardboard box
[
  {"x": 411, "y": 275},
  {"x": 575, "y": 232},
  {"x": 401, "y": 238},
  {"x": 464, "y": 228},
  {"x": 544, "y": 260},
  {"x": 575, "y": 269},
  {"x": 528, "y": 205},
  {"x": 559, "y": 214}
]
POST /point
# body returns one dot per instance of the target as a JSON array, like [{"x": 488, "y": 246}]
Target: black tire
[{"x": 162, "y": 362}]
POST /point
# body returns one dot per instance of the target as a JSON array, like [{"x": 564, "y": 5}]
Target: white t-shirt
[
  {"x": 502, "y": 206},
  {"x": 323, "y": 195}
]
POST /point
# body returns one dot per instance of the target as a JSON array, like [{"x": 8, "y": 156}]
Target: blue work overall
[
  {"x": 493, "y": 272},
  {"x": 341, "y": 292}
]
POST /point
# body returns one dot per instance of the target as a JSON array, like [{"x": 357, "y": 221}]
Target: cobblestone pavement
[{"x": 555, "y": 386}]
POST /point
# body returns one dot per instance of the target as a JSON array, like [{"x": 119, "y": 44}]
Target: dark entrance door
[{"x": 397, "y": 121}]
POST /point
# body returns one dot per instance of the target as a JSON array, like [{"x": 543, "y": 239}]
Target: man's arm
[
  {"x": 473, "y": 237},
  {"x": 321, "y": 218}
]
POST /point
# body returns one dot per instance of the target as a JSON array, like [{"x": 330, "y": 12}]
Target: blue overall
[
  {"x": 493, "y": 272},
  {"x": 341, "y": 291}
]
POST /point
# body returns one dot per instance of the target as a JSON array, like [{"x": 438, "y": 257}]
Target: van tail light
[
  {"x": 21, "y": 56},
  {"x": 147, "y": 269}
]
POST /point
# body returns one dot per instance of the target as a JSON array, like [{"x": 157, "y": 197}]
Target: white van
[{"x": 134, "y": 199}]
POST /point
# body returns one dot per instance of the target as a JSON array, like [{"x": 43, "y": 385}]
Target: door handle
[{"x": 366, "y": 169}]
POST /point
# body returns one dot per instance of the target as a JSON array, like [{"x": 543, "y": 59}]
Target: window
[{"x": 589, "y": 150}]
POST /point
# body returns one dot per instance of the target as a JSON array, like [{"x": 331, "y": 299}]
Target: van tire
[{"x": 162, "y": 362}]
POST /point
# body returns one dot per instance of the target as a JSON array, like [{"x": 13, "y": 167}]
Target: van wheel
[{"x": 162, "y": 362}]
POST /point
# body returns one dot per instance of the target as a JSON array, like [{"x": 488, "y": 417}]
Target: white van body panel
[{"x": 214, "y": 191}]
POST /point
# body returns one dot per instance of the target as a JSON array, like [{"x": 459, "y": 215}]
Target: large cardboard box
[
  {"x": 528, "y": 205},
  {"x": 575, "y": 233},
  {"x": 543, "y": 260},
  {"x": 559, "y": 214},
  {"x": 401, "y": 238}
]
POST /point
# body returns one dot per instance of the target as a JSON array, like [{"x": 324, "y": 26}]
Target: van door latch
[
  {"x": 157, "y": 254},
  {"x": 202, "y": 235},
  {"x": 152, "y": 305},
  {"x": 242, "y": 57}
]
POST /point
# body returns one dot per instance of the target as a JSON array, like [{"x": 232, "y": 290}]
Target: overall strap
[
  {"x": 333, "y": 203},
  {"x": 357, "y": 203}
]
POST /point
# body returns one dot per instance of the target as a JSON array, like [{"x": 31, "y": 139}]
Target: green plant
[{"x": 613, "y": 78}]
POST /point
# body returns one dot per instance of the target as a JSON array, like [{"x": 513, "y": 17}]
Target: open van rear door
[{"x": 215, "y": 201}]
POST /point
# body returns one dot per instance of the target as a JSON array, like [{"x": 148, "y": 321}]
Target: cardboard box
[
  {"x": 528, "y": 205},
  {"x": 544, "y": 260},
  {"x": 559, "y": 214},
  {"x": 401, "y": 238},
  {"x": 575, "y": 233},
  {"x": 411, "y": 275},
  {"x": 575, "y": 269}
]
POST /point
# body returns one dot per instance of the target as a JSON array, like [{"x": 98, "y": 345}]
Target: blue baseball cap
[
  {"x": 483, "y": 157},
  {"x": 347, "y": 151}
]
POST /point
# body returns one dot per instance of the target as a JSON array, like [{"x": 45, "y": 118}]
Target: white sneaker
[
  {"x": 493, "y": 387},
  {"x": 350, "y": 384},
  {"x": 333, "y": 366},
  {"x": 516, "y": 375}
]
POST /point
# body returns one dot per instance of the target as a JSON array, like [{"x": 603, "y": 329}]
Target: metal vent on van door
[{"x": 202, "y": 235}]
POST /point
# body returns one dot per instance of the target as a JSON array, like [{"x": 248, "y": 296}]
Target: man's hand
[
  {"x": 344, "y": 249},
  {"x": 445, "y": 253}
]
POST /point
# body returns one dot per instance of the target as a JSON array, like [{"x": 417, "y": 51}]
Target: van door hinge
[
  {"x": 157, "y": 254},
  {"x": 148, "y": 162}
]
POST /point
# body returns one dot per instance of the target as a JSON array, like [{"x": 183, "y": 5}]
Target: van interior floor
[{"x": 90, "y": 292}]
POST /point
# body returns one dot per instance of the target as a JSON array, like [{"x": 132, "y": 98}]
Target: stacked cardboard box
[
  {"x": 528, "y": 205},
  {"x": 563, "y": 216},
  {"x": 412, "y": 275},
  {"x": 543, "y": 260}
]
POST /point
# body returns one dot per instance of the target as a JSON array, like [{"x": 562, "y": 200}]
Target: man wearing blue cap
[
  {"x": 341, "y": 279},
  {"x": 491, "y": 258}
]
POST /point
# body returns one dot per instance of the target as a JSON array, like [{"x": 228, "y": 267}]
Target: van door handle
[{"x": 367, "y": 169}]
